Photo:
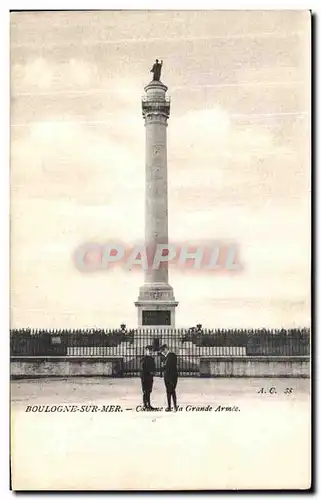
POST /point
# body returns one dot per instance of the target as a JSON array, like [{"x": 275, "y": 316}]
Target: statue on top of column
[{"x": 156, "y": 70}]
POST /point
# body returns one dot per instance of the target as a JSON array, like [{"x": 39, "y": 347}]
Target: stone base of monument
[
  {"x": 156, "y": 306},
  {"x": 156, "y": 339},
  {"x": 151, "y": 338}
]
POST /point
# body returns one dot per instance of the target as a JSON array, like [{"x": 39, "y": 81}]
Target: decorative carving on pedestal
[{"x": 155, "y": 295}]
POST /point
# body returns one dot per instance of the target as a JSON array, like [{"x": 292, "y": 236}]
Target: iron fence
[{"x": 190, "y": 345}]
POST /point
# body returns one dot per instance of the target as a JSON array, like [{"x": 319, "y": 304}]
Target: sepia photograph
[{"x": 160, "y": 250}]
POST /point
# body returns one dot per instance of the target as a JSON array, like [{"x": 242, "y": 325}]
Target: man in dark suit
[
  {"x": 170, "y": 375},
  {"x": 147, "y": 372}
]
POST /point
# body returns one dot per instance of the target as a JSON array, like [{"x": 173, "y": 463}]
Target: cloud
[
  {"x": 235, "y": 164},
  {"x": 40, "y": 75},
  {"x": 35, "y": 74}
]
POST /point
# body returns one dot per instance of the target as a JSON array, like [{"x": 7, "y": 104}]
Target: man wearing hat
[
  {"x": 147, "y": 372},
  {"x": 170, "y": 375}
]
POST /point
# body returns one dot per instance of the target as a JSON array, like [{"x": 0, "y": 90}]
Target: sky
[{"x": 238, "y": 161}]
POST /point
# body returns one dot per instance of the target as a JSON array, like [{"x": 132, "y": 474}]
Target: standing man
[
  {"x": 170, "y": 376},
  {"x": 147, "y": 373}
]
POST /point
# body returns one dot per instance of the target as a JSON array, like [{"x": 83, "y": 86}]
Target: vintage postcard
[{"x": 160, "y": 250}]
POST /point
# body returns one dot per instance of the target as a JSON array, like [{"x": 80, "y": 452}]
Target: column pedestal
[{"x": 156, "y": 306}]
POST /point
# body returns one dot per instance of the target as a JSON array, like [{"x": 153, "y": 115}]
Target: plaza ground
[{"x": 266, "y": 444}]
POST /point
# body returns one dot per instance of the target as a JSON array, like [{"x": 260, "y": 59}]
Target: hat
[{"x": 163, "y": 347}]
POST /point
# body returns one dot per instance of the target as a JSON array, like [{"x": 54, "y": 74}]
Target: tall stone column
[{"x": 156, "y": 302}]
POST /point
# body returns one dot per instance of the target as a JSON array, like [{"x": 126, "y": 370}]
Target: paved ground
[{"x": 263, "y": 443}]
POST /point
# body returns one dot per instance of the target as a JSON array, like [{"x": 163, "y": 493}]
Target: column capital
[
  {"x": 155, "y": 102},
  {"x": 155, "y": 85}
]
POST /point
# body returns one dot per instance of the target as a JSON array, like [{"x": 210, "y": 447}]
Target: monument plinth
[{"x": 156, "y": 302}]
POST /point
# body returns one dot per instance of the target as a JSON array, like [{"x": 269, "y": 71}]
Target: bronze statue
[{"x": 156, "y": 70}]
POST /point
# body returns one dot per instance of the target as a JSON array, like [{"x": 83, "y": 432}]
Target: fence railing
[{"x": 188, "y": 343}]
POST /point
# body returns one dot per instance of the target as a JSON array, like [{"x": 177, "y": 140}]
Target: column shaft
[{"x": 156, "y": 204}]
